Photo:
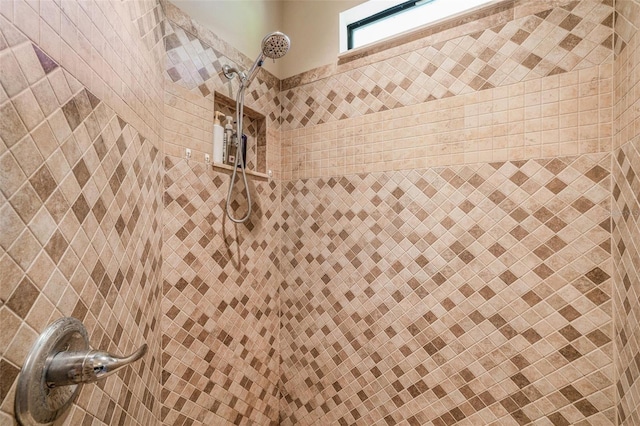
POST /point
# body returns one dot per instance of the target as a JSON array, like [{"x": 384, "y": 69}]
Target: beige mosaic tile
[
  {"x": 564, "y": 114},
  {"x": 626, "y": 255},
  {"x": 626, "y": 212},
  {"x": 220, "y": 300},
  {"x": 627, "y": 76},
  {"x": 626, "y": 23},
  {"x": 114, "y": 49},
  {"x": 81, "y": 208},
  {"x": 475, "y": 294},
  {"x": 567, "y": 37},
  {"x": 188, "y": 123}
]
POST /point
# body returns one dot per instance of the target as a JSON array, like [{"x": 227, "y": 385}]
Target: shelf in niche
[
  {"x": 255, "y": 127},
  {"x": 230, "y": 168}
]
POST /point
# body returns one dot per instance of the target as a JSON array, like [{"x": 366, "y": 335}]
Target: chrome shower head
[{"x": 275, "y": 45}]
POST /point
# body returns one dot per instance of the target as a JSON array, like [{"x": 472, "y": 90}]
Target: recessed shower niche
[{"x": 255, "y": 128}]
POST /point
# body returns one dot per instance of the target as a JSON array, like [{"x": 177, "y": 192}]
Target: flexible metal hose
[{"x": 239, "y": 159}]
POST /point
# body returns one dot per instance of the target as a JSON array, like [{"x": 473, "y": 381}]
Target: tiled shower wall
[
  {"x": 472, "y": 279},
  {"x": 193, "y": 74},
  {"x": 626, "y": 232},
  {"x": 536, "y": 83},
  {"x": 447, "y": 253},
  {"x": 220, "y": 304},
  {"x": 626, "y": 212},
  {"x": 220, "y": 309},
  {"x": 81, "y": 196},
  {"x": 478, "y": 293}
]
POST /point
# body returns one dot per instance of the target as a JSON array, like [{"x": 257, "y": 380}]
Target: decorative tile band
[
  {"x": 560, "y": 115},
  {"x": 573, "y": 36},
  {"x": 80, "y": 232},
  {"x": 473, "y": 294}
]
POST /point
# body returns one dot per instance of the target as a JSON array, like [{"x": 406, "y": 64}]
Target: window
[{"x": 375, "y": 20}]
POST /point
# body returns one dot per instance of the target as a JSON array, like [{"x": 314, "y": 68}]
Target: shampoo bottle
[{"x": 218, "y": 138}]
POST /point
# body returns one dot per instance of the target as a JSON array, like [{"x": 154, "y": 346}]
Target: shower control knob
[
  {"x": 55, "y": 369},
  {"x": 72, "y": 368}
]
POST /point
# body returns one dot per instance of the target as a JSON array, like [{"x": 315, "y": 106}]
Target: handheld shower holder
[
  {"x": 230, "y": 72},
  {"x": 55, "y": 369}
]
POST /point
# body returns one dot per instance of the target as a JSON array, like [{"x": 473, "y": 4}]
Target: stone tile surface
[
  {"x": 220, "y": 300},
  {"x": 566, "y": 37},
  {"x": 626, "y": 212},
  {"x": 626, "y": 255},
  {"x": 466, "y": 294},
  {"x": 81, "y": 203}
]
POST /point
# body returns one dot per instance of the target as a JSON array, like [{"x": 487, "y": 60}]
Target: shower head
[{"x": 275, "y": 45}]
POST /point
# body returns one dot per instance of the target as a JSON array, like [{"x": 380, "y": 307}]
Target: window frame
[
  {"x": 379, "y": 16},
  {"x": 378, "y": 10}
]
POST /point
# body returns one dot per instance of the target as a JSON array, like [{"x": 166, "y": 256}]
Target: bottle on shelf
[{"x": 218, "y": 138}]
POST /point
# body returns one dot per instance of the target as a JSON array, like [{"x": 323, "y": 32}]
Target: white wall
[
  {"x": 313, "y": 28},
  {"x": 241, "y": 23}
]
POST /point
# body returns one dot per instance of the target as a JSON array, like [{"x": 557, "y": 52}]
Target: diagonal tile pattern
[
  {"x": 626, "y": 212},
  {"x": 194, "y": 60},
  {"x": 193, "y": 64},
  {"x": 436, "y": 295},
  {"x": 468, "y": 295},
  {"x": 220, "y": 303},
  {"x": 626, "y": 255},
  {"x": 81, "y": 236},
  {"x": 572, "y": 36}
]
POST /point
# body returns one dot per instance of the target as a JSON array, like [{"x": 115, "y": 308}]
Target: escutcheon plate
[{"x": 36, "y": 403}]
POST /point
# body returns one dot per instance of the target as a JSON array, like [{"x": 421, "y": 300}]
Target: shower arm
[{"x": 245, "y": 77}]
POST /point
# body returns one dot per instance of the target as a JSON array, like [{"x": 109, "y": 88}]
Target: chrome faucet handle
[
  {"x": 72, "y": 368},
  {"x": 55, "y": 369}
]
